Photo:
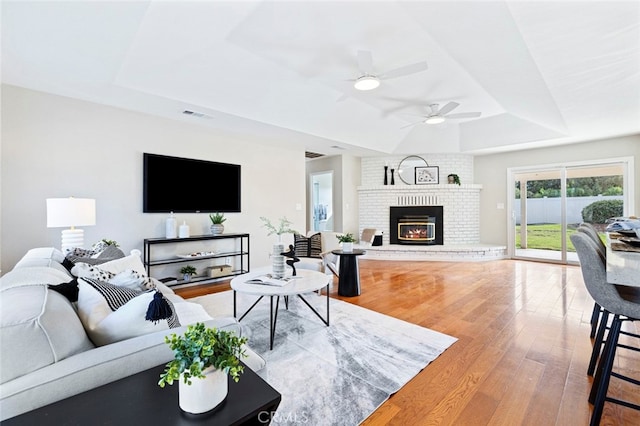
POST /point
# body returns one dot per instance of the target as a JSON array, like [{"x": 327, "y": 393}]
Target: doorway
[
  {"x": 321, "y": 211},
  {"x": 549, "y": 202}
]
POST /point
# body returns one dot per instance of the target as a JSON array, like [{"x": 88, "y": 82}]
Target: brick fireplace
[{"x": 460, "y": 206}]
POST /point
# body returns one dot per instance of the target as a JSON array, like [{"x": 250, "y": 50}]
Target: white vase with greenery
[
  {"x": 277, "y": 259},
  {"x": 203, "y": 357}
]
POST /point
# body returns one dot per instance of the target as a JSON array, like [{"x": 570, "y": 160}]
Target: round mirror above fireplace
[{"x": 407, "y": 168}]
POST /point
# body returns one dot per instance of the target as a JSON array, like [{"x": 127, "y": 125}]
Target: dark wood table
[
  {"x": 349, "y": 277},
  {"x": 138, "y": 400}
]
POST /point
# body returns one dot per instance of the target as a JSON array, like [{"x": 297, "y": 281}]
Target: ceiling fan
[
  {"x": 439, "y": 115},
  {"x": 369, "y": 79}
]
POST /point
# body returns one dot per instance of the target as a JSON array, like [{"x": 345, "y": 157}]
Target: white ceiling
[{"x": 541, "y": 73}]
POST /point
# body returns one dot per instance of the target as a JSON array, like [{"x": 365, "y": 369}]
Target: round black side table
[{"x": 349, "y": 279}]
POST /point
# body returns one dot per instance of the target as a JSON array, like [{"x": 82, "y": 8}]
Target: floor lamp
[{"x": 71, "y": 212}]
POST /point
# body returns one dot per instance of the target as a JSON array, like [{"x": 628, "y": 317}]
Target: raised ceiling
[{"x": 541, "y": 73}]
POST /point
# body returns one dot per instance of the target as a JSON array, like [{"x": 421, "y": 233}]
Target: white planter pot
[
  {"x": 203, "y": 394},
  {"x": 217, "y": 229},
  {"x": 348, "y": 247}
]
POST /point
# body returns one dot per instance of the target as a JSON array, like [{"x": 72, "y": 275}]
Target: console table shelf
[{"x": 238, "y": 255}]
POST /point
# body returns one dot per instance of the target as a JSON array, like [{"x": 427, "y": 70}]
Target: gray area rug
[{"x": 336, "y": 375}]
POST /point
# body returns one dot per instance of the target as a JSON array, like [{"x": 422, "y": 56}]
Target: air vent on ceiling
[
  {"x": 195, "y": 114},
  {"x": 309, "y": 154}
]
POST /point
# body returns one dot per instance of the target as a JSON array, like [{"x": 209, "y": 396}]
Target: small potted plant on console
[
  {"x": 207, "y": 355},
  {"x": 217, "y": 220},
  {"x": 187, "y": 272},
  {"x": 453, "y": 178},
  {"x": 347, "y": 241}
]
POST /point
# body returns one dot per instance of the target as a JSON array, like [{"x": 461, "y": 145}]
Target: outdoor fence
[{"x": 547, "y": 210}]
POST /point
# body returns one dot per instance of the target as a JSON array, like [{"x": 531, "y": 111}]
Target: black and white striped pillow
[
  {"x": 116, "y": 297},
  {"x": 307, "y": 247}
]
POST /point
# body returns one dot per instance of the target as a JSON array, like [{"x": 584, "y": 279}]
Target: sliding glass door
[{"x": 549, "y": 202}]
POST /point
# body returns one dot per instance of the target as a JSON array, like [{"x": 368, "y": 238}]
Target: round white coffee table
[{"x": 306, "y": 281}]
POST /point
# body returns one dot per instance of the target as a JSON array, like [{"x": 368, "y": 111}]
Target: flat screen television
[{"x": 184, "y": 185}]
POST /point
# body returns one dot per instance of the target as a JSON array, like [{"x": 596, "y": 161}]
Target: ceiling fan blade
[
  {"x": 405, "y": 70},
  {"x": 365, "y": 61},
  {"x": 465, "y": 115},
  {"x": 448, "y": 108}
]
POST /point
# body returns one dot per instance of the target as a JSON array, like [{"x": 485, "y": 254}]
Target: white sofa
[{"x": 46, "y": 353}]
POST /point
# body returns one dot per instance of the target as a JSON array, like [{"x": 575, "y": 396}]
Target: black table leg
[{"x": 349, "y": 280}]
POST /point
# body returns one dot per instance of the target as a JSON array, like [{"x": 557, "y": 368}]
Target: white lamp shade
[{"x": 71, "y": 212}]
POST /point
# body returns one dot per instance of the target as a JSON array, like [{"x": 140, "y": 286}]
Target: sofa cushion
[
  {"x": 307, "y": 246},
  {"x": 50, "y": 253},
  {"x": 36, "y": 275},
  {"x": 38, "y": 327}
]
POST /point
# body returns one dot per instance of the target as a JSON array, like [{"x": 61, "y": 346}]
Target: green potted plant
[
  {"x": 453, "y": 178},
  {"x": 206, "y": 354},
  {"x": 347, "y": 241},
  {"x": 217, "y": 220},
  {"x": 187, "y": 272}
]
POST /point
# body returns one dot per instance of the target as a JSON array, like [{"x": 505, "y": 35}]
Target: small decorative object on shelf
[
  {"x": 393, "y": 182},
  {"x": 206, "y": 354},
  {"x": 217, "y": 220},
  {"x": 184, "y": 230},
  {"x": 291, "y": 254},
  {"x": 385, "y": 175},
  {"x": 187, "y": 272},
  {"x": 347, "y": 241},
  {"x": 170, "y": 229},
  {"x": 453, "y": 178}
]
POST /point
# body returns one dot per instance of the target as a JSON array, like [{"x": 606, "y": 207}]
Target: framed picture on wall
[{"x": 427, "y": 175}]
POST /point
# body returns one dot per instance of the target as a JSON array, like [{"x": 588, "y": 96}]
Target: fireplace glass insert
[
  {"x": 416, "y": 228},
  {"x": 419, "y": 225}
]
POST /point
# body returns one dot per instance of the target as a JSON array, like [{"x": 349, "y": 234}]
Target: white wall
[
  {"x": 491, "y": 172},
  {"x": 54, "y": 146}
]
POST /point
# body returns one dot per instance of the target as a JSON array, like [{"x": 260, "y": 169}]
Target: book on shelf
[{"x": 268, "y": 280}]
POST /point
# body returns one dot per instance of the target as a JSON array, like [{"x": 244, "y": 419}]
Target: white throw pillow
[
  {"x": 126, "y": 322},
  {"x": 127, "y": 278},
  {"x": 132, "y": 261},
  {"x": 114, "y": 313}
]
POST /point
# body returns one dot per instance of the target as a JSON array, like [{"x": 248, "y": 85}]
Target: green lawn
[{"x": 545, "y": 237}]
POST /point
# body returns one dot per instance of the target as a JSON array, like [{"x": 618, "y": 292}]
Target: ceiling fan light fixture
[
  {"x": 367, "y": 82},
  {"x": 436, "y": 119}
]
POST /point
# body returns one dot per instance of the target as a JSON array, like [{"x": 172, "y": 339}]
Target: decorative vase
[
  {"x": 393, "y": 182},
  {"x": 385, "y": 175},
  {"x": 450, "y": 180},
  {"x": 277, "y": 261},
  {"x": 186, "y": 277},
  {"x": 217, "y": 229},
  {"x": 347, "y": 247},
  {"x": 203, "y": 395}
]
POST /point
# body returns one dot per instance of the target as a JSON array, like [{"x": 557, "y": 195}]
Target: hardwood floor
[{"x": 523, "y": 348}]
